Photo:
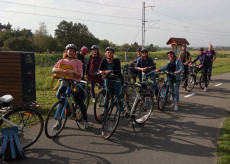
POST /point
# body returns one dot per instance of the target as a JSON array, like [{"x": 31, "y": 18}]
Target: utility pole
[{"x": 143, "y": 23}]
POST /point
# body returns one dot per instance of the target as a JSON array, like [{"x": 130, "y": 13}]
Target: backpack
[{"x": 11, "y": 147}]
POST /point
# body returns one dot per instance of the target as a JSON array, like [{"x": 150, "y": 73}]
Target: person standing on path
[
  {"x": 211, "y": 54},
  {"x": 94, "y": 62},
  {"x": 174, "y": 66}
]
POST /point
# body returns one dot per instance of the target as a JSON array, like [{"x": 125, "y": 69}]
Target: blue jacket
[
  {"x": 179, "y": 68},
  {"x": 204, "y": 59}
]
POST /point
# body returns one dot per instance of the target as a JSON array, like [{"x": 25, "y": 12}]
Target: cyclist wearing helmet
[
  {"x": 70, "y": 58},
  {"x": 146, "y": 65},
  {"x": 112, "y": 65},
  {"x": 204, "y": 64},
  {"x": 81, "y": 56},
  {"x": 92, "y": 67},
  {"x": 185, "y": 58},
  {"x": 176, "y": 67}
]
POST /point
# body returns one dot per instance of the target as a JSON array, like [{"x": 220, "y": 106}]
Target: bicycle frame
[{"x": 67, "y": 98}]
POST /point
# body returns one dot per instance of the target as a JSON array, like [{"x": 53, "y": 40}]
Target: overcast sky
[{"x": 201, "y": 22}]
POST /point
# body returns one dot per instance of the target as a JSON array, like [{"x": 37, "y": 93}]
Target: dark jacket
[
  {"x": 146, "y": 63},
  {"x": 204, "y": 60},
  {"x": 116, "y": 67}
]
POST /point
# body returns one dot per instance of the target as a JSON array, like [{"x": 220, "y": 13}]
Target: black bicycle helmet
[
  {"x": 110, "y": 49},
  {"x": 94, "y": 47},
  {"x": 71, "y": 46},
  {"x": 144, "y": 50},
  {"x": 201, "y": 49},
  {"x": 139, "y": 49}
]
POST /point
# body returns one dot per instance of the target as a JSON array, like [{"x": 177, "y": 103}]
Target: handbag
[
  {"x": 11, "y": 146},
  {"x": 61, "y": 75}
]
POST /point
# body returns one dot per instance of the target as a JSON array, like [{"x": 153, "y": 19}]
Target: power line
[
  {"x": 191, "y": 32},
  {"x": 187, "y": 21},
  {"x": 109, "y": 5},
  {"x": 68, "y": 18},
  {"x": 23, "y": 4}
]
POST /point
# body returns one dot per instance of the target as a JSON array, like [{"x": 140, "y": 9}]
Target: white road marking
[
  {"x": 189, "y": 95},
  {"x": 218, "y": 84}
]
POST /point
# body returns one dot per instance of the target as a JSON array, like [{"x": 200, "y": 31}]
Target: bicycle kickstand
[
  {"x": 130, "y": 123},
  {"x": 78, "y": 125}
]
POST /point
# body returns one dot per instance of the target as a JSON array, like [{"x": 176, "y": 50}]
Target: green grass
[{"x": 223, "y": 151}]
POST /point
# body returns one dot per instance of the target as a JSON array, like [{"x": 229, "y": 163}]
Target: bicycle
[
  {"x": 100, "y": 100},
  {"x": 143, "y": 104},
  {"x": 193, "y": 77},
  {"x": 164, "y": 94},
  {"x": 112, "y": 110},
  {"x": 57, "y": 116},
  {"x": 28, "y": 121}
]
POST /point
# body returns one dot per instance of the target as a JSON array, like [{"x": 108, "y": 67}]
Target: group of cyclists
[{"x": 97, "y": 68}]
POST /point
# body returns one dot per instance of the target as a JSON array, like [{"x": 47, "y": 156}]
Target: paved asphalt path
[{"x": 171, "y": 137}]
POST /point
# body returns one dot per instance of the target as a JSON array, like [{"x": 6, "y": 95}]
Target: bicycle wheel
[
  {"x": 143, "y": 109},
  {"x": 162, "y": 97},
  {"x": 190, "y": 83},
  {"x": 29, "y": 123},
  {"x": 201, "y": 82},
  {"x": 53, "y": 125},
  {"x": 99, "y": 106},
  {"x": 112, "y": 118}
]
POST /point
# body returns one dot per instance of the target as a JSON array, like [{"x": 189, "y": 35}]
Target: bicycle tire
[
  {"x": 99, "y": 106},
  {"x": 52, "y": 129},
  {"x": 111, "y": 121},
  {"x": 30, "y": 125},
  {"x": 190, "y": 83},
  {"x": 162, "y": 97},
  {"x": 143, "y": 109}
]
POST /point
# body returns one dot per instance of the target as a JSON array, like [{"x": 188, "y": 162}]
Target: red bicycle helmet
[{"x": 85, "y": 50}]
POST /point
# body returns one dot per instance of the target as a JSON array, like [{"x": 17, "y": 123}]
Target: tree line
[{"x": 66, "y": 32}]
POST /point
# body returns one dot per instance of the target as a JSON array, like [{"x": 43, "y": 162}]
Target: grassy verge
[{"x": 223, "y": 150}]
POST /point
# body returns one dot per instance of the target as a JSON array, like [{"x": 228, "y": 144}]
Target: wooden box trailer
[{"x": 17, "y": 76}]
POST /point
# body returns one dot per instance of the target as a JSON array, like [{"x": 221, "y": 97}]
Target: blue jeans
[
  {"x": 175, "y": 90},
  {"x": 154, "y": 81},
  {"x": 116, "y": 89}
]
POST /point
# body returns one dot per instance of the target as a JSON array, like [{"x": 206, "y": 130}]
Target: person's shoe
[
  {"x": 57, "y": 125},
  {"x": 86, "y": 125},
  {"x": 172, "y": 105},
  {"x": 176, "y": 107},
  {"x": 93, "y": 100},
  {"x": 122, "y": 114},
  {"x": 205, "y": 89}
]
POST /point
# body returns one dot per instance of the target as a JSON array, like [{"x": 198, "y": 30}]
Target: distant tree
[
  {"x": 21, "y": 43},
  {"x": 16, "y": 40},
  {"x": 5, "y": 27},
  {"x": 103, "y": 44},
  {"x": 42, "y": 41},
  {"x": 136, "y": 44},
  {"x": 76, "y": 33}
]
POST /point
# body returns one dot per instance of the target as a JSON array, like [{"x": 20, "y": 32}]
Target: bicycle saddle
[{"x": 6, "y": 98}]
